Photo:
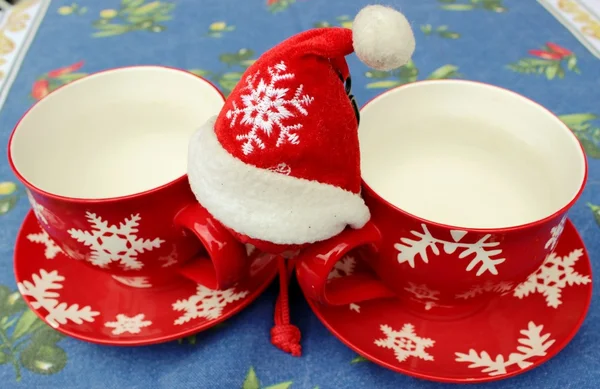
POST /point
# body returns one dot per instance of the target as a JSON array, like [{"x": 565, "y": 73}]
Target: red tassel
[{"x": 284, "y": 335}]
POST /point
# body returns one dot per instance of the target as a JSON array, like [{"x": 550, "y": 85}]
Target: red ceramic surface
[
  {"x": 81, "y": 302},
  {"x": 444, "y": 242},
  {"x": 518, "y": 328},
  {"x": 402, "y": 248},
  {"x": 147, "y": 233}
]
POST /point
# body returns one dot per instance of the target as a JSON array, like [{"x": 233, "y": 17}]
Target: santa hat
[{"x": 280, "y": 163}]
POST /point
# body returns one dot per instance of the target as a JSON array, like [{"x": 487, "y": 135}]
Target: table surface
[{"x": 493, "y": 41}]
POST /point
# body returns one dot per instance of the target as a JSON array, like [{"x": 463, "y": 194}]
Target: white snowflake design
[
  {"x": 42, "y": 237},
  {"x": 115, "y": 243},
  {"x": 124, "y": 323},
  {"x": 73, "y": 254},
  {"x": 43, "y": 290},
  {"x": 282, "y": 168},
  {"x": 38, "y": 209},
  {"x": 206, "y": 303},
  {"x": 43, "y": 215},
  {"x": 354, "y": 307},
  {"x": 170, "y": 259},
  {"x": 534, "y": 344},
  {"x": 342, "y": 268},
  {"x": 552, "y": 277},
  {"x": 483, "y": 250},
  {"x": 266, "y": 106},
  {"x": 502, "y": 288},
  {"x": 134, "y": 282},
  {"x": 405, "y": 343},
  {"x": 555, "y": 234},
  {"x": 424, "y": 294}
]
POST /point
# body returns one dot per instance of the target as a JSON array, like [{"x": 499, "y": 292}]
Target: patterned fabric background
[{"x": 545, "y": 50}]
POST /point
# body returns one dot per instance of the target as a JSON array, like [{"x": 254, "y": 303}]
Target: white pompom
[{"x": 382, "y": 37}]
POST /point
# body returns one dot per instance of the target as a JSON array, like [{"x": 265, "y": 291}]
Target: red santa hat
[{"x": 280, "y": 166}]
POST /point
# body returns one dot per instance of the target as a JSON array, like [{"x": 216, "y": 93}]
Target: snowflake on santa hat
[
  {"x": 282, "y": 168},
  {"x": 266, "y": 106}
]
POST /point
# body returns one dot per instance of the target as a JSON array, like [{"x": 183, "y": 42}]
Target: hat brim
[{"x": 264, "y": 204}]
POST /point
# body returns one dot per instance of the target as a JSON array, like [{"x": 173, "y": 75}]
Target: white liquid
[
  {"x": 118, "y": 149},
  {"x": 463, "y": 173}
]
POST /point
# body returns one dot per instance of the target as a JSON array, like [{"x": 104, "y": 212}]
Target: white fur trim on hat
[
  {"x": 266, "y": 205},
  {"x": 382, "y": 37}
]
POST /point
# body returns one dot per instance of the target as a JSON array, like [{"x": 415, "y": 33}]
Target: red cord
[{"x": 284, "y": 335}]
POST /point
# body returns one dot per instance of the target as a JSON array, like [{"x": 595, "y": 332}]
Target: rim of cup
[
  {"x": 60, "y": 89},
  {"x": 524, "y": 99},
  {"x": 365, "y": 185}
]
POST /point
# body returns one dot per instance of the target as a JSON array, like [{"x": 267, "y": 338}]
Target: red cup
[
  {"x": 468, "y": 186},
  {"x": 104, "y": 160}
]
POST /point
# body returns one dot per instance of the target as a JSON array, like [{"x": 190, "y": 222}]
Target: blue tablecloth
[{"x": 495, "y": 41}]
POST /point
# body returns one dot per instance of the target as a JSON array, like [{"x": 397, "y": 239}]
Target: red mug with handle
[
  {"x": 104, "y": 162},
  {"x": 468, "y": 186}
]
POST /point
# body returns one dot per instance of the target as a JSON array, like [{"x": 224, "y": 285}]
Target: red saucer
[
  {"x": 520, "y": 329},
  {"x": 87, "y": 304}
]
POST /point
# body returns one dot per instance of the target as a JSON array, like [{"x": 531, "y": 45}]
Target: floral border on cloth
[
  {"x": 18, "y": 26},
  {"x": 580, "y": 17}
]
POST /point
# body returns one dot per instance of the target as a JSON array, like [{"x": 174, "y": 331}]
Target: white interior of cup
[
  {"x": 468, "y": 154},
  {"x": 115, "y": 133}
]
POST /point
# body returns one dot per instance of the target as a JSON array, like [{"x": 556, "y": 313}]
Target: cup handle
[
  {"x": 316, "y": 262},
  {"x": 228, "y": 262}
]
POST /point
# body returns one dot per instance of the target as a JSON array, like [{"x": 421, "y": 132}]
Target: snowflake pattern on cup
[
  {"x": 115, "y": 243},
  {"x": 405, "y": 343},
  {"x": 555, "y": 234},
  {"x": 38, "y": 209},
  {"x": 502, "y": 288},
  {"x": 267, "y": 108},
  {"x": 43, "y": 238},
  {"x": 552, "y": 277},
  {"x": 532, "y": 345},
  {"x": 169, "y": 259},
  {"x": 44, "y": 291},
  {"x": 482, "y": 252},
  {"x": 134, "y": 282},
  {"x": 342, "y": 268},
  {"x": 43, "y": 214},
  {"x": 206, "y": 303},
  {"x": 423, "y": 294},
  {"x": 124, "y": 323}
]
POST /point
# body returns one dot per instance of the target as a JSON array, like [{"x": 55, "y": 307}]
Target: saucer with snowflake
[
  {"x": 520, "y": 328},
  {"x": 94, "y": 306}
]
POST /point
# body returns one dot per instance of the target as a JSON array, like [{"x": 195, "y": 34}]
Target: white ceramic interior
[
  {"x": 468, "y": 154},
  {"x": 115, "y": 133}
]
